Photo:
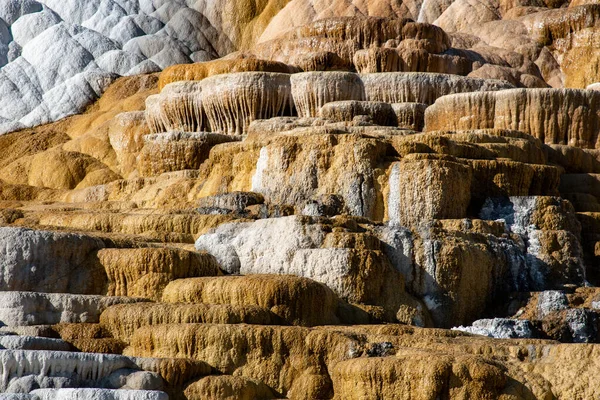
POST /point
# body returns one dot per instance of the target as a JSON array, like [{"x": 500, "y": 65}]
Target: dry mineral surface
[{"x": 299, "y": 199}]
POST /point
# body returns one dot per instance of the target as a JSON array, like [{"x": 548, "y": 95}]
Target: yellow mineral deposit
[{"x": 299, "y": 199}]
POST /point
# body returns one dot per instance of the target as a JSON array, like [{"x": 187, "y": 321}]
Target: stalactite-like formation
[
  {"x": 154, "y": 114},
  {"x": 232, "y": 101},
  {"x": 555, "y": 116},
  {"x": 409, "y": 60},
  {"x": 376, "y": 112},
  {"x": 410, "y": 115},
  {"x": 312, "y": 90},
  {"x": 425, "y": 88},
  {"x": 177, "y": 108}
]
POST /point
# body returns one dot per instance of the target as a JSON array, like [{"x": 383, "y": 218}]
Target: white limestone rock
[
  {"x": 14, "y": 342},
  {"x": 99, "y": 394},
  {"x": 550, "y": 301},
  {"x": 33, "y": 308},
  {"x": 58, "y": 56},
  {"x": 47, "y": 261},
  {"x": 299, "y": 246},
  {"x": 46, "y": 373},
  {"x": 264, "y": 246},
  {"x": 500, "y": 328},
  {"x": 18, "y": 396},
  {"x": 30, "y": 26},
  {"x": 11, "y": 10},
  {"x": 22, "y": 370},
  {"x": 119, "y": 61}
]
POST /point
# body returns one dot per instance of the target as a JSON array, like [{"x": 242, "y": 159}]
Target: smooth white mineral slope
[{"x": 58, "y": 56}]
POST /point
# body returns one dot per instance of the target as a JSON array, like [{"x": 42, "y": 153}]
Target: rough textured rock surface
[
  {"x": 555, "y": 116},
  {"x": 146, "y": 272},
  {"x": 49, "y": 261},
  {"x": 176, "y": 151},
  {"x": 102, "y": 40},
  {"x": 232, "y": 101},
  {"x": 336, "y": 199},
  {"x": 34, "y": 308},
  {"x": 312, "y": 90},
  {"x": 296, "y": 301}
]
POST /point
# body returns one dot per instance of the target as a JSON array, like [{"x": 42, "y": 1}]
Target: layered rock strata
[{"x": 307, "y": 217}]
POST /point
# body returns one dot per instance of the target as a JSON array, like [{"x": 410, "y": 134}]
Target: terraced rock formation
[{"x": 335, "y": 200}]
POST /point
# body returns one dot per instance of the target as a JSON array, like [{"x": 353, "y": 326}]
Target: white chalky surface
[{"x": 58, "y": 56}]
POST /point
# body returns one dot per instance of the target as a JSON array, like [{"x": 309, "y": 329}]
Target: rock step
[
  {"x": 581, "y": 183},
  {"x": 176, "y": 151},
  {"x": 84, "y": 337},
  {"x": 46, "y": 261},
  {"x": 582, "y": 202},
  {"x": 47, "y": 368},
  {"x": 25, "y": 370},
  {"x": 423, "y": 87},
  {"x": 98, "y": 394},
  {"x": 295, "y": 300},
  {"x": 99, "y": 345},
  {"x": 555, "y": 116},
  {"x": 34, "y": 308},
  {"x": 122, "y": 320},
  {"x": 261, "y": 352},
  {"x": 228, "y": 386},
  {"x": 144, "y": 272},
  {"x": 58, "y": 262},
  {"x": 271, "y": 353},
  {"x": 14, "y": 342},
  {"x": 385, "y": 377},
  {"x": 181, "y": 228},
  {"x": 475, "y": 144}
]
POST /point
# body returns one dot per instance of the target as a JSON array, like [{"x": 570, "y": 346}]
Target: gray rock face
[
  {"x": 56, "y": 57},
  {"x": 583, "y": 325},
  {"x": 545, "y": 266},
  {"x": 500, "y": 328},
  {"x": 99, "y": 394},
  {"x": 18, "y": 396},
  {"x": 14, "y": 342},
  {"x": 550, "y": 301},
  {"x": 30, "y": 308},
  {"x": 234, "y": 202},
  {"x": 44, "y": 261},
  {"x": 22, "y": 370},
  {"x": 47, "y": 374}
]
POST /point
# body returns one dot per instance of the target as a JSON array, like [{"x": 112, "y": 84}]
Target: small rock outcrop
[
  {"x": 555, "y": 116},
  {"x": 232, "y": 101},
  {"x": 312, "y": 90}
]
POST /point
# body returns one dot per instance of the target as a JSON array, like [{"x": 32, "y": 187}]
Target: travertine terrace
[{"x": 299, "y": 199}]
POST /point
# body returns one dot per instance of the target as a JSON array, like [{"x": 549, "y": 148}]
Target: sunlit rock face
[
  {"x": 56, "y": 57},
  {"x": 299, "y": 199}
]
